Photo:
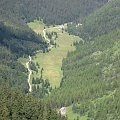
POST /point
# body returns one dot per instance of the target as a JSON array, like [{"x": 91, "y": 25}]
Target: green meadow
[
  {"x": 51, "y": 61},
  {"x": 73, "y": 116}
]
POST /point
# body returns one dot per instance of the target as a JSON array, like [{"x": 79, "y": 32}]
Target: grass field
[
  {"x": 73, "y": 116},
  {"x": 37, "y": 26},
  {"x": 51, "y": 62},
  {"x": 23, "y": 61}
]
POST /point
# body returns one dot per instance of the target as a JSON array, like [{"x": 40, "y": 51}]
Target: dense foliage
[
  {"x": 16, "y": 40},
  {"x": 16, "y": 37},
  {"x": 51, "y": 11},
  {"x": 16, "y": 106},
  {"x": 41, "y": 87},
  {"x": 91, "y": 79},
  {"x": 20, "y": 40},
  {"x": 92, "y": 73},
  {"x": 102, "y": 21},
  {"x": 11, "y": 71},
  {"x": 60, "y": 11}
]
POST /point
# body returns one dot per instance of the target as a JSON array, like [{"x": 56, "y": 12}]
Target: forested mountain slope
[
  {"x": 51, "y": 11},
  {"x": 60, "y": 11},
  {"x": 16, "y": 106},
  {"x": 92, "y": 73},
  {"x": 13, "y": 30},
  {"x": 17, "y": 39},
  {"x": 101, "y": 21},
  {"x": 14, "y": 14},
  {"x": 12, "y": 72}
]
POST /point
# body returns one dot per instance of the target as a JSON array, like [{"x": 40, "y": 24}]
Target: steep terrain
[
  {"x": 91, "y": 75},
  {"x": 16, "y": 106},
  {"x": 102, "y": 21},
  {"x": 11, "y": 71},
  {"x": 18, "y": 39},
  {"x": 60, "y": 11},
  {"x": 92, "y": 72},
  {"x": 51, "y": 11},
  {"x": 49, "y": 64}
]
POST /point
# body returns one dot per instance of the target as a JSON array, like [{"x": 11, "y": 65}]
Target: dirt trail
[{"x": 30, "y": 73}]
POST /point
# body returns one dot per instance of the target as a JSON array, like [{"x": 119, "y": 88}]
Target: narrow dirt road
[
  {"x": 44, "y": 34},
  {"x": 30, "y": 59},
  {"x": 47, "y": 39},
  {"x": 30, "y": 73}
]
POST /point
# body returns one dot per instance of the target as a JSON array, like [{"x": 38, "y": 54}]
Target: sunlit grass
[
  {"x": 73, "y": 116},
  {"x": 51, "y": 61}
]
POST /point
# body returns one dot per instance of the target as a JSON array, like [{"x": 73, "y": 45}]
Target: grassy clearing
[
  {"x": 51, "y": 62},
  {"x": 37, "y": 26},
  {"x": 23, "y": 61},
  {"x": 73, "y": 116}
]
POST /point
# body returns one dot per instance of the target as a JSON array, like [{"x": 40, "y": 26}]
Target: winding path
[
  {"x": 30, "y": 59},
  {"x": 30, "y": 73},
  {"x": 47, "y": 39},
  {"x": 44, "y": 34}
]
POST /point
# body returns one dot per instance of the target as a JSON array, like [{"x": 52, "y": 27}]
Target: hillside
[
  {"x": 101, "y": 21},
  {"x": 18, "y": 107},
  {"x": 14, "y": 15},
  {"x": 75, "y": 65},
  {"x": 19, "y": 38},
  {"x": 51, "y": 11},
  {"x": 16, "y": 39},
  {"x": 61, "y": 11},
  {"x": 13, "y": 29},
  {"x": 92, "y": 72}
]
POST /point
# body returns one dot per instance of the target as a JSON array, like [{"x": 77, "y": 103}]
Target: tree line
[{"x": 91, "y": 73}]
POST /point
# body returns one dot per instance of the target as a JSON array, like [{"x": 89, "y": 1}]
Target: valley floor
[{"x": 51, "y": 61}]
